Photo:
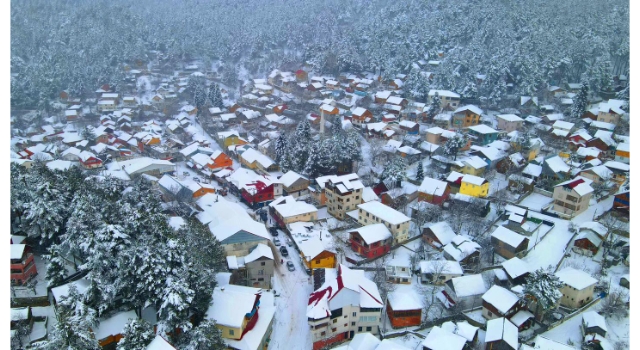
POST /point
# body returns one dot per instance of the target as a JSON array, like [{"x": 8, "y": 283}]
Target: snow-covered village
[{"x": 353, "y": 175}]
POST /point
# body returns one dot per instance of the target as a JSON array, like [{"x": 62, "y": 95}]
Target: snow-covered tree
[
  {"x": 56, "y": 271},
  {"x": 214, "y": 96},
  {"x": 420, "y": 172},
  {"x": 453, "y": 145},
  {"x": 543, "y": 288},
  {"x": 434, "y": 107},
  {"x": 206, "y": 336},
  {"x": 136, "y": 335},
  {"x": 281, "y": 148},
  {"x": 580, "y": 102},
  {"x": 395, "y": 171}
]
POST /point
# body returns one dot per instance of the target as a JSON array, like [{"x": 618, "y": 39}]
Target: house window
[
  {"x": 359, "y": 329},
  {"x": 231, "y": 332},
  {"x": 262, "y": 263},
  {"x": 335, "y": 320},
  {"x": 353, "y": 324},
  {"x": 260, "y": 279},
  {"x": 368, "y": 329},
  {"x": 354, "y": 314},
  {"x": 489, "y": 313},
  {"x": 322, "y": 334}
]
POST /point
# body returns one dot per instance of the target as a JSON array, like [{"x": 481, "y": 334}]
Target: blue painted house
[{"x": 482, "y": 134}]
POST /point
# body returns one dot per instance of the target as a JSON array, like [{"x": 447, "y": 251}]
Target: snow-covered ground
[
  {"x": 41, "y": 286},
  {"x": 290, "y": 327}
]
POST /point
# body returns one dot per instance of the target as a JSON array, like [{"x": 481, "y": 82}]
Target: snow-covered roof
[
  {"x": 383, "y": 94},
  {"x": 443, "y": 231},
  {"x": 594, "y": 319},
  {"x": 557, "y": 164},
  {"x": 261, "y": 250},
  {"x": 461, "y": 247},
  {"x": 561, "y": 124},
  {"x": 515, "y": 267},
  {"x": 290, "y": 177},
  {"x": 373, "y": 233},
  {"x": 59, "y": 164},
  {"x": 17, "y": 250},
  {"x": 369, "y": 195},
  {"x": 532, "y": 169},
  {"x": 470, "y": 285},
  {"x": 226, "y": 218},
  {"x": 575, "y": 278},
  {"x": 311, "y": 241},
  {"x": 602, "y": 171},
  {"x": 603, "y": 125},
  {"x": 19, "y": 314},
  {"x": 159, "y": 343},
  {"x": 433, "y": 187},
  {"x": 114, "y": 325},
  {"x": 231, "y": 303},
  {"x": 288, "y": 207},
  {"x": 384, "y": 212},
  {"x": 62, "y": 291},
  {"x": 617, "y": 165},
  {"x": 251, "y": 155},
  {"x": 483, "y": 129},
  {"x": 472, "y": 179},
  {"x": 446, "y": 267},
  {"x": 471, "y": 108},
  {"x": 509, "y": 117},
  {"x": 440, "y": 339},
  {"x": 319, "y": 305},
  {"x": 507, "y": 236},
  {"x": 361, "y": 341},
  {"x": 543, "y": 343},
  {"x": 624, "y": 147},
  {"x": 405, "y": 299},
  {"x": 501, "y": 328},
  {"x": 502, "y": 299},
  {"x": 445, "y": 93},
  {"x": 581, "y": 185}
]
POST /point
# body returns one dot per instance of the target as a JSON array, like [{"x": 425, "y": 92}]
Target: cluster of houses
[{"x": 237, "y": 158}]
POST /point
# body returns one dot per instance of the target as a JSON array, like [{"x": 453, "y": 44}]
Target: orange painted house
[
  {"x": 404, "y": 309},
  {"x": 220, "y": 160}
]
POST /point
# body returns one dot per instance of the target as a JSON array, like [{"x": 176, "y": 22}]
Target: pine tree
[
  {"x": 434, "y": 108},
  {"x": 543, "y": 287},
  {"x": 74, "y": 328},
  {"x": 215, "y": 96},
  {"x": 281, "y": 148},
  {"x": 420, "y": 172},
  {"x": 206, "y": 336},
  {"x": 137, "y": 334},
  {"x": 199, "y": 99},
  {"x": 394, "y": 172},
  {"x": 56, "y": 271},
  {"x": 580, "y": 102},
  {"x": 89, "y": 134},
  {"x": 312, "y": 166}
]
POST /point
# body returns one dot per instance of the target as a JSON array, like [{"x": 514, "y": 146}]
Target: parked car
[
  {"x": 283, "y": 251},
  {"x": 290, "y": 266},
  {"x": 196, "y": 179},
  {"x": 273, "y": 231},
  {"x": 289, "y": 243},
  {"x": 185, "y": 173},
  {"x": 276, "y": 241}
]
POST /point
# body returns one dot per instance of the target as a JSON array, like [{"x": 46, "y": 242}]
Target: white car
[{"x": 276, "y": 241}]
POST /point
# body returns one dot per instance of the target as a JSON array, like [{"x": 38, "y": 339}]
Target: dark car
[
  {"x": 283, "y": 251},
  {"x": 273, "y": 231},
  {"x": 290, "y": 266}
]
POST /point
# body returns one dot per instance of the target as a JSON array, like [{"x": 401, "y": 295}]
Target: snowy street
[{"x": 290, "y": 327}]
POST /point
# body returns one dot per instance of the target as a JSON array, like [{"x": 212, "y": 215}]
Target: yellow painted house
[
  {"x": 474, "y": 186},
  {"x": 228, "y": 138},
  {"x": 315, "y": 245},
  {"x": 472, "y": 165}
]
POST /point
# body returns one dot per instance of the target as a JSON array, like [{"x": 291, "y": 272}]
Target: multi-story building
[
  {"x": 578, "y": 287},
  {"x": 474, "y": 186},
  {"x": 375, "y": 212},
  {"x": 572, "y": 197},
  {"x": 448, "y": 99},
  {"x": 342, "y": 307},
  {"x": 466, "y": 116},
  {"x": 22, "y": 264},
  {"x": 294, "y": 184},
  {"x": 343, "y": 194},
  {"x": 509, "y": 122}
]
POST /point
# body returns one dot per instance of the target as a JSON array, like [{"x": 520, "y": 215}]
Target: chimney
[{"x": 322, "y": 121}]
